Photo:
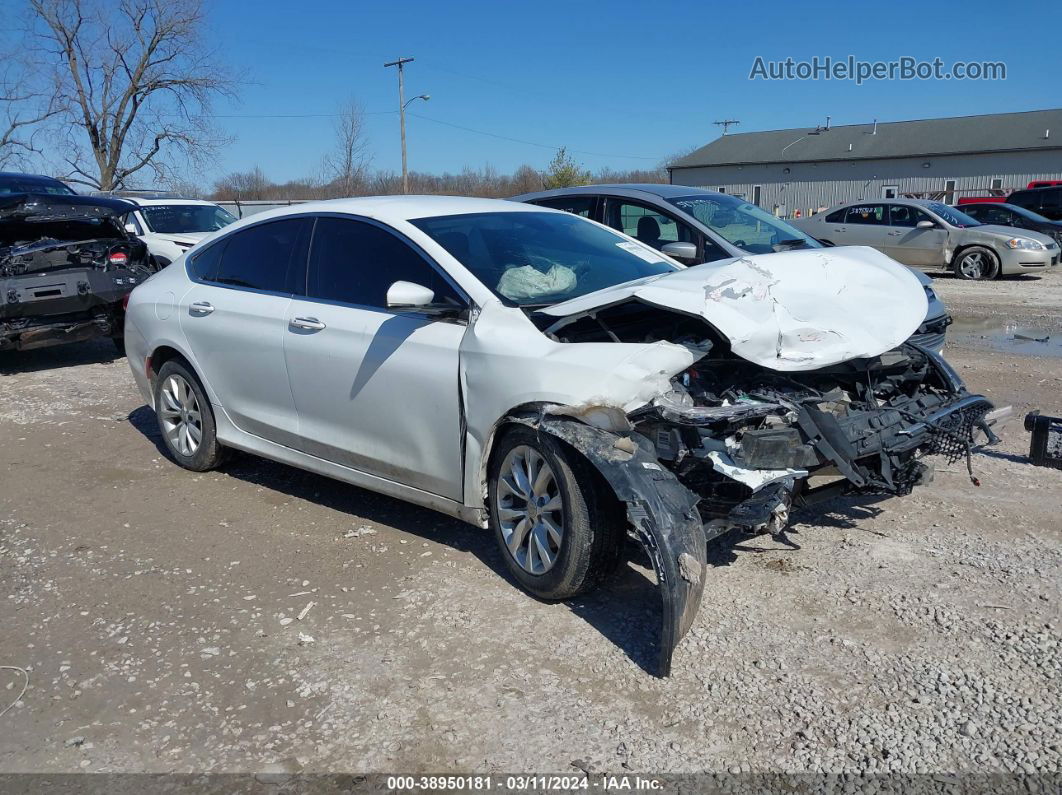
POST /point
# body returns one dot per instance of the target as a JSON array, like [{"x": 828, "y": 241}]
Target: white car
[
  {"x": 172, "y": 226},
  {"x": 549, "y": 377}
]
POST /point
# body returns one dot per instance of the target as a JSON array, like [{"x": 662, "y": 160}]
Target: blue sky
[{"x": 631, "y": 82}]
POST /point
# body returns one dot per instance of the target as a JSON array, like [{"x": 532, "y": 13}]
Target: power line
[{"x": 529, "y": 143}]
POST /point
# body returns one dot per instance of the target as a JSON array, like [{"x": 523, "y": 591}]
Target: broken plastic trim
[{"x": 662, "y": 512}]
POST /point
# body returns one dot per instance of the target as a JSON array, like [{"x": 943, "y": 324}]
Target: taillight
[
  {"x": 117, "y": 258},
  {"x": 125, "y": 301}
]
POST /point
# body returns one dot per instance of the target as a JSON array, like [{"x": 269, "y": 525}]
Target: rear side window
[
  {"x": 204, "y": 265},
  {"x": 866, "y": 214},
  {"x": 265, "y": 257},
  {"x": 576, "y": 205},
  {"x": 354, "y": 262}
]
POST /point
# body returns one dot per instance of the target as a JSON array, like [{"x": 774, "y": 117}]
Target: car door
[
  {"x": 906, "y": 243},
  {"x": 376, "y": 389},
  {"x": 864, "y": 225},
  {"x": 234, "y": 317}
]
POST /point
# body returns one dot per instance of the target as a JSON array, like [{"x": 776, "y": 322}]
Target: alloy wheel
[
  {"x": 182, "y": 420},
  {"x": 530, "y": 509},
  {"x": 973, "y": 265}
]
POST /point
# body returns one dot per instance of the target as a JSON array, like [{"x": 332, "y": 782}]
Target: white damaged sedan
[{"x": 541, "y": 374}]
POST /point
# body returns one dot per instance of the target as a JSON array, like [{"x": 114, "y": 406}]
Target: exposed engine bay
[
  {"x": 66, "y": 264},
  {"x": 736, "y": 444},
  {"x": 748, "y": 440}
]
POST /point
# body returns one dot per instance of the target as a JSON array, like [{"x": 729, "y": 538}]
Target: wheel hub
[{"x": 530, "y": 509}]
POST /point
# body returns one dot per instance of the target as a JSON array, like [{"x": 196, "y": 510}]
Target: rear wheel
[
  {"x": 186, "y": 419},
  {"x": 558, "y": 527},
  {"x": 976, "y": 263}
]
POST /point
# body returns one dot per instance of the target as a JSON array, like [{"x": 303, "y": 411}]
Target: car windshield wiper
[{"x": 795, "y": 242}]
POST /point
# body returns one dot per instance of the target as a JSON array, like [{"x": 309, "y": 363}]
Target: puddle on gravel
[{"x": 999, "y": 335}]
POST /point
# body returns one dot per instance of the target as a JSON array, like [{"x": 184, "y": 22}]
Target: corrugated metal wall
[{"x": 785, "y": 188}]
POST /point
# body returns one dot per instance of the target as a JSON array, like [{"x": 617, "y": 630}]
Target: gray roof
[{"x": 995, "y": 132}]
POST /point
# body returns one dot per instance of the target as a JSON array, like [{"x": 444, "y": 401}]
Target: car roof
[
  {"x": 31, "y": 179},
  {"x": 630, "y": 190},
  {"x": 391, "y": 209}
]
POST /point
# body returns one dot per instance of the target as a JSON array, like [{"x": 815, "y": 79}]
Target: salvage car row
[{"x": 566, "y": 369}]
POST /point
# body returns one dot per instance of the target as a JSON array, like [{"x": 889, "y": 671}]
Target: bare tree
[
  {"x": 346, "y": 166},
  {"x": 134, "y": 81},
  {"x": 24, "y": 105}
]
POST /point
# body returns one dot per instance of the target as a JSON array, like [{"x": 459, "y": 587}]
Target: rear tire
[
  {"x": 186, "y": 419},
  {"x": 976, "y": 263},
  {"x": 538, "y": 487}
]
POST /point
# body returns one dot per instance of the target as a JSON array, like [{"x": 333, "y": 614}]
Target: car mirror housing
[
  {"x": 680, "y": 250},
  {"x": 925, "y": 225},
  {"x": 408, "y": 294}
]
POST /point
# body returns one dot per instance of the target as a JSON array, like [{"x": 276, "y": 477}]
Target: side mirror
[
  {"x": 131, "y": 229},
  {"x": 925, "y": 225},
  {"x": 408, "y": 294},
  {"x": 680, "y": 250}
]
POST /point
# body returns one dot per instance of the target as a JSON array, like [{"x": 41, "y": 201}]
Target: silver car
[
  {"x": 929, "y": 234},
  {"x": 548, "y": 377},
  {"x": 696, "y": 225}
]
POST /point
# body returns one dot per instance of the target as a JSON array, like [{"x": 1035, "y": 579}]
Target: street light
[{"x": 402, "y": 104}]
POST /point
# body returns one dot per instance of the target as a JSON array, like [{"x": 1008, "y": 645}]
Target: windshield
[
  {"x": 744, "y": 225},
  {"x": 538, "y": 259},
  {"x": 173, "y": 219},
  {"x": 951, "y": 215}
]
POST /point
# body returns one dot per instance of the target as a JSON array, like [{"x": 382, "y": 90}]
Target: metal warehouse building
[{"x": 804, "y": 170}]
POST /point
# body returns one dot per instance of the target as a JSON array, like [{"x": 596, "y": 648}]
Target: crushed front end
[
  {"x": 752, "y": 442},
  {"x": 66, "y": 266}
]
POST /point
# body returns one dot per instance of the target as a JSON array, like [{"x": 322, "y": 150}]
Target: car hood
[
  {"x": 798, "y": 310},
  {"x": 1007, "y": 232},
  {"x": 43, "y": 206}
]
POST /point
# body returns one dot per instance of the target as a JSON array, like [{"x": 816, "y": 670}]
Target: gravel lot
[{"x": 263, "y": 619}]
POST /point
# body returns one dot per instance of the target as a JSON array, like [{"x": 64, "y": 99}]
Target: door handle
[
  {"x": 309, "y": 323},
  {"x": 202, "y": 308},
  {"x": 895, "y": 234}
]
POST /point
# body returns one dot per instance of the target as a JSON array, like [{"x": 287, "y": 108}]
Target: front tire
[
  {"x": 555, "y": 521},
  {"x": 186, "y": 419},
  {"x": 976, "y": 263}
]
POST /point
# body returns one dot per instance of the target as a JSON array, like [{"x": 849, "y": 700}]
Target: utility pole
[
  {"x": 402, "y": 116},
  {"x": 726, "y": 124}
]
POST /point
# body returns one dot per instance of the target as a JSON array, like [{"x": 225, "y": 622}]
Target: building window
[{"x": 997, "y": 186}]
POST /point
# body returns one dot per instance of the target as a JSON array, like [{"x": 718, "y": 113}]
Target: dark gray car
[{"x": 694, "y": 225}]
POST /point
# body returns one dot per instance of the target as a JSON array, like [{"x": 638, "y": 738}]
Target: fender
[{"x": 662, "y": 512}]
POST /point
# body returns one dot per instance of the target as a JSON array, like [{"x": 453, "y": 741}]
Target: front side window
[
  {"x": 174, "y": 219},
  {"x": 867, "y": 214},
  {"x": 744, "y": 225},
  {"x": 355, "y": 262},
  {"x": 905, "y": 215},
  {"x": 265, "y": 257},
  {"x": 646, "y": 224},
  {"x": 130, "y": 220},
  {"x": 538, "y": 259},
  {"x": 576, "y": 205}
]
